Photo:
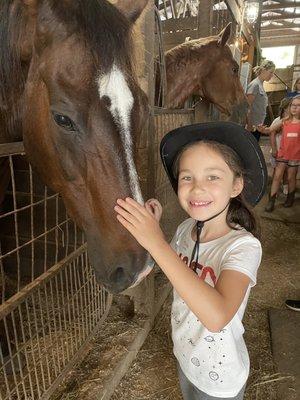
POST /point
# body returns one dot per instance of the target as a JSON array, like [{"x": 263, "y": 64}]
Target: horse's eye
[
  {"x": 64, "y": 121},
  {"x": 235, "y": 70}
]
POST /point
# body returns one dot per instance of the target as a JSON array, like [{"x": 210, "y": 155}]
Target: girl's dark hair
[{"x": 239, "y": 211}]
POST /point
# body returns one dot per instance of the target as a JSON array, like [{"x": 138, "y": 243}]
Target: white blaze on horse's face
[{"x": 114, "y": 86}]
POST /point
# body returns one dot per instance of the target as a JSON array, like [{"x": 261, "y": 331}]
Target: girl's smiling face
[
  {"x": 205, "y": 182},
  {"x": 295, "y": 108}
]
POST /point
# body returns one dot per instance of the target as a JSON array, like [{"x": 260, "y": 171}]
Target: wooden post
[
  {"x": 202, "y": 111},
  {"x": 143, "y": 294},
  {"x": 205, "y": 18}
]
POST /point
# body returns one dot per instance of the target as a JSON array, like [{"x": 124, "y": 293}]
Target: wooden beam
[
  {"x": 175, "y": 38},
  {"x": 180, "y": 24},
  {"x": 281, "y": 16},
  {"x": 288, "y": 25},
  {"x": 280, "y": 5},
  {"x": 282, "y": 33},
  {"x": 235, "y": 10},
  {"x": 9, "y": 149},
  {"x": 277, "y": 41}
]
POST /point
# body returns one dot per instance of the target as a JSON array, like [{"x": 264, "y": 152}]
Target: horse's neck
[
  {"x": 182, "y": 78},
  {"x": 14, "y": 64}
]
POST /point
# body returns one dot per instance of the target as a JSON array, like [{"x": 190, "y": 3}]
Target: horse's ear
[
  {"x": 132, "y": 9},
  {"x": 224, "y": 35}
]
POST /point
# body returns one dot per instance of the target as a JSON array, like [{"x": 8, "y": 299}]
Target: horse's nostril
[{"x": 118, "y": 276}]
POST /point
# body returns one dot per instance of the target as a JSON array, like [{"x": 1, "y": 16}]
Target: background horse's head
[
  {"x": 205, "y": 67},
  {"x": 82, "y": 117}
]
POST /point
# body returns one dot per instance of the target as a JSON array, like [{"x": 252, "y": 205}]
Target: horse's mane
[
  {"x": 187, "y": 51},
  {"x": 100, "y": 24},
  {"x": 103, "y": 26},
  {"x": 12, "y": 74}
]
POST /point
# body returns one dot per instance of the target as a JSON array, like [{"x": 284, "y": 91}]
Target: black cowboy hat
[{"x": 230, "y": 134}]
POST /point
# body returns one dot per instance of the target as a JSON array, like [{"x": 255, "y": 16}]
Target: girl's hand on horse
[
  {"x": 141, "y": 222},
  {"x": 154, "y": 207}
]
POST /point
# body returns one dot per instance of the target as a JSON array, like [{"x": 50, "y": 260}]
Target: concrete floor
[{"x": 285, "y": 324}]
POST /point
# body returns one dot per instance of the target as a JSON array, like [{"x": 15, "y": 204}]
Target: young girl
[
  {"x": 214, "y": 168},
  {"x": 288, "y": 155},
  {"x": 283, "y": 112}
]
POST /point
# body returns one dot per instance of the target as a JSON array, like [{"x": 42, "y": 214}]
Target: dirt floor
[{"x": 152, "y": 375}]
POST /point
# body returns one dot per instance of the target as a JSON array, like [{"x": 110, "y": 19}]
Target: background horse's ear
[
  {"x": 224, "y": 35},
  {"x": 132, "y": 9}
]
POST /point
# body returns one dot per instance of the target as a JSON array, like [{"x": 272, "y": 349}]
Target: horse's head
[
  {"x": 83, "y": 115},
  {"x": 221, "y": 83},
  {"x": 204, "y": 67}
]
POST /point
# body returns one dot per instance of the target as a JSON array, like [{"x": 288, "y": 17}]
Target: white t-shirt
[{"x": 216, "y": 363}]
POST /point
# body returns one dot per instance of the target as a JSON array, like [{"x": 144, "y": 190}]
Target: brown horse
[
  {"x": 68, "y": 87},
  {"x": 204, "y": 67}
]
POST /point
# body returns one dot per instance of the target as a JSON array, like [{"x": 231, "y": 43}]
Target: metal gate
[{"x": 50, "y": 303}]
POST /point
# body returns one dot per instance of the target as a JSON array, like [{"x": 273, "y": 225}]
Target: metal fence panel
[{"x": 50, "y": 302}]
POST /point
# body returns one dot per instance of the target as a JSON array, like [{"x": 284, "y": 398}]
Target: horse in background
[
  {"x": 203, "y": 67},
  {"x": 68, "y": 87}
]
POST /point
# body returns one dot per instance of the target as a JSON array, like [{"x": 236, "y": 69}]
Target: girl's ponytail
[{"x": 240, "y": 213}]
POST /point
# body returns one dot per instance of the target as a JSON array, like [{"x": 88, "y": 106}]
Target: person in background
[
  {"x": 292, "y": 303},
  {"x": 257, "y": 98},
  {"x": 283, "y": 112},
  {"x": 296, "y": 89},
  {"x": 288, "y": 154}
]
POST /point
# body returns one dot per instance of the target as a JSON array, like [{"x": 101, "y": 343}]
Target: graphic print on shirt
[
  {"x": 208, "y": 275},
  {"x": 201, "y": 270}
]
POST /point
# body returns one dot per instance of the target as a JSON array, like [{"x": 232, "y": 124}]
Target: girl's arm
[
  {"x": 274, "y": 127},
  {"x": 273, "y": 144},
  {"x": 213, "y": 306}
]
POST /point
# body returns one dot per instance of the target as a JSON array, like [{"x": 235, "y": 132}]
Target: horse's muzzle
[{"x": 124, "y": 276}]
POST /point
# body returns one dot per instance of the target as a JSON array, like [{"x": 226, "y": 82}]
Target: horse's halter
[{"x": 199, "y": 226}]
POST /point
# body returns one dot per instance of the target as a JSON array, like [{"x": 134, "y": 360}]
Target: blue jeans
[{"x": 191, "y": 392}]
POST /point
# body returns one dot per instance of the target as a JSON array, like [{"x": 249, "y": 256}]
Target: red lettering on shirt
[
  {"x": 199, "y": 269},
  {"x": 210, "y": 271}
]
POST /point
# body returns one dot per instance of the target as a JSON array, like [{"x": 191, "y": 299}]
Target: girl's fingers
[
  {"x": 126, "y": 215},
  {"x": 132, "y": 207},
  {"x": 154, "y": 207},
  {"x": 125, "y": 223},
  {"x": 136, "y": 205}
]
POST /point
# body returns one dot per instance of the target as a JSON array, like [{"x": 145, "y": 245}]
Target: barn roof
[{"x": 280, "y": 23}]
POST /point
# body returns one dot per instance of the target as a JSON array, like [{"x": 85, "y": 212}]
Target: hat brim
[{"x": 230, "y": 134}]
